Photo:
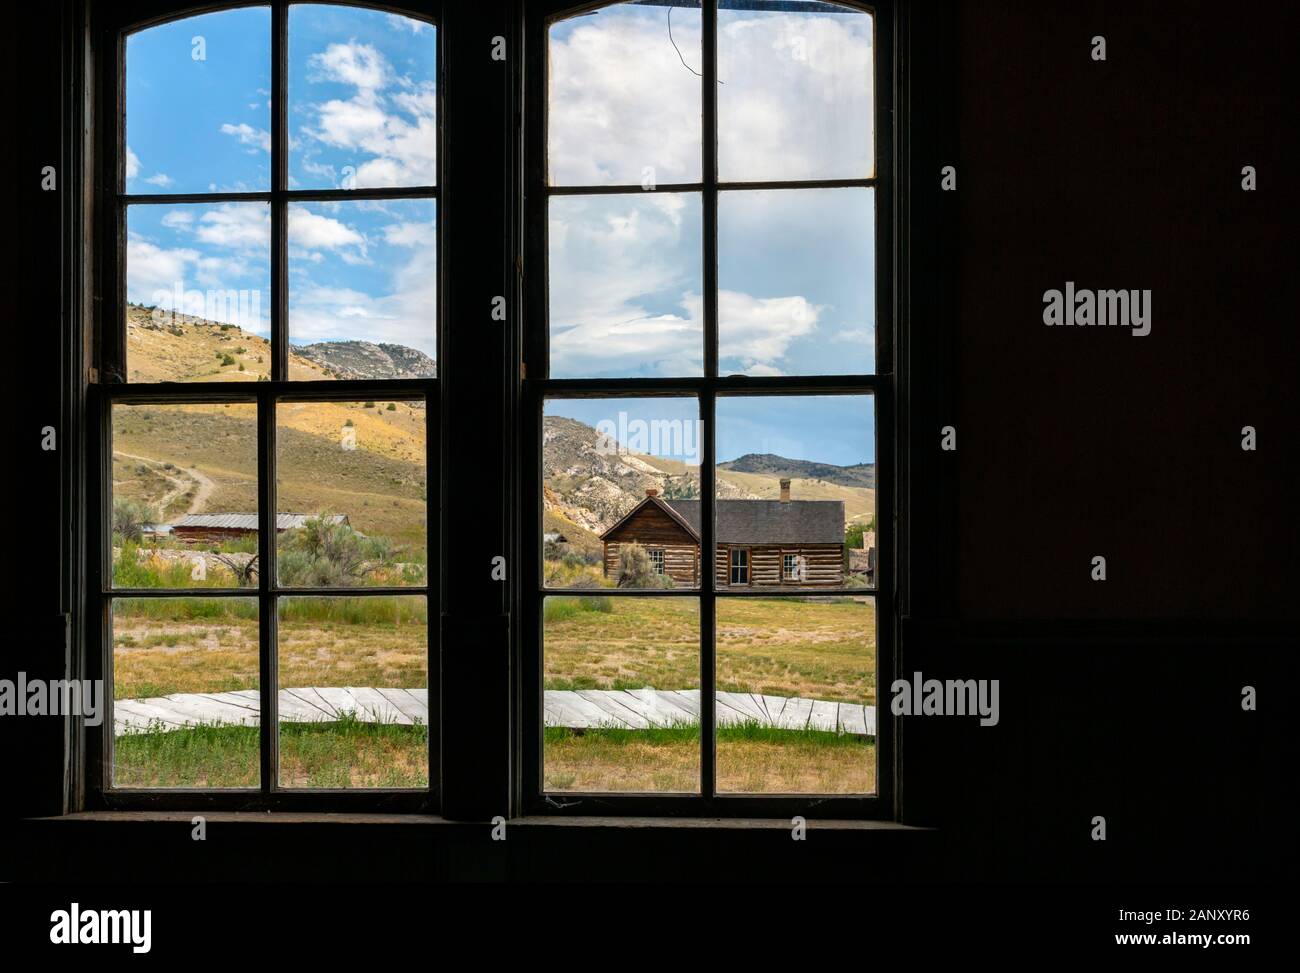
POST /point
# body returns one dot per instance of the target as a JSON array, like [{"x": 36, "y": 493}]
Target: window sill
[{"x": 534, "y": 821}]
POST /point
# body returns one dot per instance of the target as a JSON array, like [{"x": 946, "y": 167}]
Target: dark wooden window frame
[
  {"x": 537, "y": 387},
  {"x": 110, "y": 24}
]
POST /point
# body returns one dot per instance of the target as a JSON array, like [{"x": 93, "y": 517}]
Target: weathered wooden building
[
  {"x": 760, "y": 543},
  {"x": 215, "y": 528}
]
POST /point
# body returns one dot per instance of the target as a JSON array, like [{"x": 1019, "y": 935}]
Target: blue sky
[
  {"x": 362, "y": 102},
  {"x": 837, "y": 429},
  {"x": 796, "y": 267}
]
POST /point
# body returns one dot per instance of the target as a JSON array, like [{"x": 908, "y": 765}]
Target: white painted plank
[
  {"x": 618, "y": 710},
  {"x": 852, "y": 719},
  {"x": 823, "y": 715},
  {"x": 744, "y": 704},
  {"x": 774, "y": 706},
  {"x": 794, "y": 715},
  {"x": 564, "y": 707},
  {"x": 407, "y": 705}
]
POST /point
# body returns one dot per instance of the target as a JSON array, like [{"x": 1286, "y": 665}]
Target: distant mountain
[
  {"x": 858, "y": 475},
  {"x": 589, "y": 486},
  {"x": 367, "y": 360},
  {"x": 164, "y": 347}
]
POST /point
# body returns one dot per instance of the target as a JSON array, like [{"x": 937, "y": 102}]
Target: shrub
[
  {"x": 130, "y": 518},
  {"x": 227, "y": 360},
  {"x": 322, "y": 553},
  {"x": 636, "y": 571},
  {"x": 392, "y": 406}
]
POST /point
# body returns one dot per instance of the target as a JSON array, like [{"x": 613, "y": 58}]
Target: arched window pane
[
  {"x": 795, "y": 92},
  {"x": 625, "y": 96},
  {"x": 362, "y": 99},
  {"x": 198, "y": 104}
]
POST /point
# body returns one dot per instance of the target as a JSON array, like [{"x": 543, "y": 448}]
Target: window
[
  {"x": 699, "y": 384},
  {"x": 739, "y": 565},
  {"x": 708, "y": 360},
  {"x": 268, "y": 401},
  {"x": 791, "y": 569}
]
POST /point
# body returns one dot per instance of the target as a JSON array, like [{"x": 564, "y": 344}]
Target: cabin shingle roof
[
  {"x": 770, "y": 521},
  {"x": 248, "y": 521}
]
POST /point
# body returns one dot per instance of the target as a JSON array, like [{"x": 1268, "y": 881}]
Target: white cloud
[
  {"x": 150, "y": 268},
  {"x": 248, "y": 135},
  {"x": 411, "y": 234},
  {"x": 621, "y": 100},
  {"x": 758, "y": 331},
  {"x": 313, "y": 231},
  {"x": 177, "y": 219},
  {"x": 236, "y": 226},
  {"x": 398, "y": 22},
  {"x": 794, "y": 100},
  {"x": 132, "y": 164},
  {"x": 162, "y": 179},
  {"x": 396, "y": 129},
  {"x": 405, "y": 316},
  {"x": 797, "y": 98},
  {"x": 354, "y": 64}
]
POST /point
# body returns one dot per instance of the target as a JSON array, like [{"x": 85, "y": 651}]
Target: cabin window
[
  {"x": 708, "y": 313},
  {"x": 657, "y": 560},
  {"x": 268, "y": 379},
  {"x": 739, "y": 565}
]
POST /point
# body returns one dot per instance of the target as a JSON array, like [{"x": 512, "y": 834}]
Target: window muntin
[
  {"x": 245, "y": 462},
  {"x": 794, "y": 328}
]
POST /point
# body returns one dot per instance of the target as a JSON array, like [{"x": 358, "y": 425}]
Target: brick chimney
[
  {"x": 785, "y": 491},
  {"x": 651, "y": 492}
]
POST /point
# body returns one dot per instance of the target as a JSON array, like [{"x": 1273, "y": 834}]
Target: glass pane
[
  {"x": 796, "y": 282},
  {"x": 363, "y": 293},
  {"x": 351, "y": 491},
  {"x": 625, "y": 96},
  {"x": 198, "y": 289},
  {"x": 796, "y": 700},
  {"x": 184, "y": 496},
  {"x": 795, "y": 92},
  {"x": 796, "y": 482},
  {"x": 362, "y": 99},
  {"x": 354, "y": 692},
  {"x": 626, "y": 281},
  {"x": 198, "y": 104},
  {"x": 621, "y": 694},
  {"x": 185, "y": 692},
  {"x": 619, "y": 476}
]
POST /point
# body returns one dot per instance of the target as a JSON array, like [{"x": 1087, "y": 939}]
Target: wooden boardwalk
[{"x": 635, "y": 709}]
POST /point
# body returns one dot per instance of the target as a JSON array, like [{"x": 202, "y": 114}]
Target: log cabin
[{"x": 760, "y": 543}]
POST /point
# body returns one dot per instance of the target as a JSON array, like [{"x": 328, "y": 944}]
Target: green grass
[
  {"x": 751, "y": 759},
  {"x": 345, "y": 754},
  {"x": 822, "y": 649}
]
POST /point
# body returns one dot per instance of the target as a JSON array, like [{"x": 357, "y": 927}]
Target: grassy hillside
[{"x": 203, "y": 459}]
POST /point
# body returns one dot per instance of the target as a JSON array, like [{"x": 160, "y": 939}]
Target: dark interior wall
[
  {"x": 1126, "y": 173},
  {"x": 1072, "y": 443}
]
